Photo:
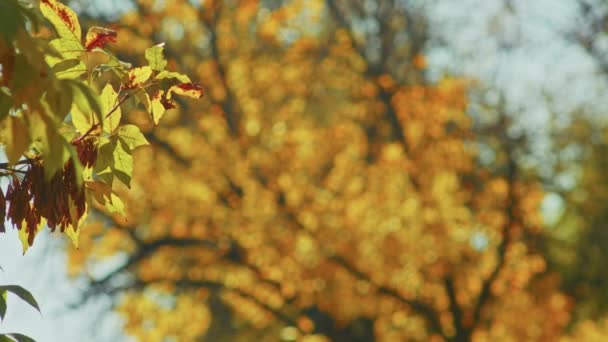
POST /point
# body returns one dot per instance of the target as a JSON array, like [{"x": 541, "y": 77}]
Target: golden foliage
[{"x": 290, "y": 188}]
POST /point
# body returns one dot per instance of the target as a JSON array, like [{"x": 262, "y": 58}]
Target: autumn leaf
[
  {"x": 62, "y": 18},
  {"x": 137, "y": 76},
  {"x": 157, "y": 107},
  {"x": 97, "y": 37},
  {"x": 188, "y": 89}
]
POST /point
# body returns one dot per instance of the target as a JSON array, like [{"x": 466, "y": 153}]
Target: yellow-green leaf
[
  {"x": 110, "y": 109},
  {"x": 115, "y": 205},
  {"x": 157, "y": 108},
  {"x": 23, "y": 234},
  {"x": 15, "y": 138},
  {"x": 65, "y": 48},
  {"x": 73, "y": 231},
  {"x": 81, "y": 120},
  {"x": 132, "y": 136},
  {"x": 176, "y": 75},
  {"x": 62, "y": 18},
  {"x": 86, "y": 100},
  {"x": 137, "y": 76},
  {"x": 123, "y": 163},
  {"x": 155, "y": 58}
]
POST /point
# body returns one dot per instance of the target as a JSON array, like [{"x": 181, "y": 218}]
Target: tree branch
[{"x": 485, "y": 294}]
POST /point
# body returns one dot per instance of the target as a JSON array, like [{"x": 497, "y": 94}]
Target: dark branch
[
  {"x": 419, "y": 307},
  {"x": 486, "y": 290}
]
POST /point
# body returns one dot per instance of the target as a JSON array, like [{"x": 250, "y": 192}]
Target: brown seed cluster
[{"x": 60, "y": 200}]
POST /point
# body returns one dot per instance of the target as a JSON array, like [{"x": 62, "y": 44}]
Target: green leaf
[
  {"x": 144, "y": 99},
  {"x": 105, "y": 160},
  {"x": 175, "y": 75},
  {"x": 123, "y": 163},
  {"x": 155, "y": 58},
  {"x": 22, "y": 293},
  {"x": 2, "y": 304},
  {"x": 16, "y": 337},
  {"x": 109, "y": 105},
  {"x": 86, "y": 100},
  {"x": 62, "y": 18},
  {"x": 11, "y": 20},
  {"x": 6, "y": 103},
  {"x": 82, "y": 121},
  {"x": 115, "y": 205},
  {"x": 59, "y": 97},
  {"x": 70, "y": 69},
  {"x": 48, "y": 141},
  {"x": 138, "y": 76},
  {"x": 132, "y": 136},
  {"x": 14, "y": 135},
  {"x": 157, "y": 108},
  {"x": 64, "y": 48}
]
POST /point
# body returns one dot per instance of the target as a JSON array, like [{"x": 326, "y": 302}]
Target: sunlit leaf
[
  {"x": 65, "y": 48},
  {"x": 97, "y": 37},
  {"x": 110, "y": 108},
  {"x": 69, "y": 69},
  {"x": 82, "y": 121},
  {"x": 188, "y": 89},
  {"x": 156, "y": 59},
  {"x": 174, "y": 75},
  {"x": 132, "y": 136},
  {"x": 157, "y": 107},
  {"x": 138, "y": 76},
  {"x": 123, "y": 163},
  {"x": 86, "y": 100},
  {"x": 24, "y": 237},
  {"x": 63, "y": 19}
]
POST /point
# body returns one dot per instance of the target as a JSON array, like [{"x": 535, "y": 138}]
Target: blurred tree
[
  {"x": 575, "y": 245},
  {"x": 322, "y": 190}
]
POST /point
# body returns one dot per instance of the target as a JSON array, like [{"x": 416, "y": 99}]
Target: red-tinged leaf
[
  {"x": 97, "y": 37},
  {"x": 62, "y": 17},
  {"x": 168, "y": 103},
  {"x": 192, "y": 90},
  {"x": 138, "y": 76}
]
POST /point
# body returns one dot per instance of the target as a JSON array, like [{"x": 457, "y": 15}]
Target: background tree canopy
[{"x": 328, "y": 186}]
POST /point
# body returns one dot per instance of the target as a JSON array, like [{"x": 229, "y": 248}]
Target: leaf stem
[{"x": 95, "y": 126}]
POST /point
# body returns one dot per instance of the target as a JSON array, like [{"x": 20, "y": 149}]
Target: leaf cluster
[{"x": 61, "y": 118}]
